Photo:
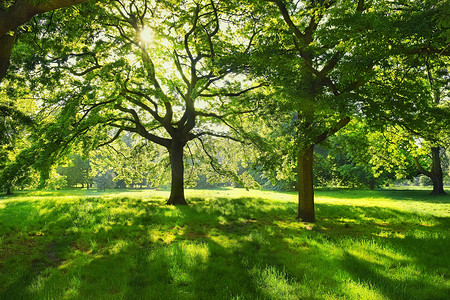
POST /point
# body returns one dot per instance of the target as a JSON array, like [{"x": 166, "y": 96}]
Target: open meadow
[{"x": 227, "y": 244}]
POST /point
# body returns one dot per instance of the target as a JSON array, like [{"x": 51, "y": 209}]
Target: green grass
[{"x": 227, "y": 244}]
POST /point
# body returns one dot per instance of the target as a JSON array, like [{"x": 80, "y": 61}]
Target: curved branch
[
  {"x": 23, "y": 10},
  {"x": 421, "y": 169},
  {"x": 115, "y": 137}
]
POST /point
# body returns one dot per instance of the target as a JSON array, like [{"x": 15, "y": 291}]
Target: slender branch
[
  {"x": 91, "y": 108},
  {"x": 212, "y": 159},
  {"x": 143, "y": 106},
  {"x": 144, "y": 133},
  {"x": 287, "y": 18},
  {"x": 191, "y": 31},
  {"x": 180, "y": 70},
  {"x": 216, "y": 135},
  {"x": 115, "y": 150},
  {"x": 115, "y": 137},
  {"x": 234, "y": 94}
]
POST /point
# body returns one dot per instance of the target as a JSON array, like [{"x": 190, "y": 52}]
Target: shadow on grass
[
  {"x": 392, "y": 194},
  {"x": 247, "y": 248}
]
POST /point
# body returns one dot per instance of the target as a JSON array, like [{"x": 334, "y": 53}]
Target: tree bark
[
  {"x": 20, "y": 13},
  {"x": 372, "y": 183},
  {"x": 6, "y": 46},
  {"x": 177, "y": 167},
  {"x": 305, "y": 185},
  {"x": 436, "y": 172},
  {"x": 23, "y": 10},
  {"x": 9, "y": 191}
]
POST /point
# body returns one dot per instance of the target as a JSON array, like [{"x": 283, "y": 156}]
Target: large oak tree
[{"x": 144, "y": 67}]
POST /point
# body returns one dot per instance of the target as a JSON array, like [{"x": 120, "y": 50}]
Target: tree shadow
[
  {"x": 127, "y": 248},
  {"x": 392, "y": 194}
]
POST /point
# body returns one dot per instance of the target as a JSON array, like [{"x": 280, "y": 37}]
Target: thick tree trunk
[
  {"x": 9, "y": 191},
  {"x": 177, "y": 166},
  {"x": 6, "y": 46},
  {"x": 305, "y": 185},
  {"x": 23, "y": 10},
  {"x": 20, "y": 13},
  {"x": 436, "y": 172}
]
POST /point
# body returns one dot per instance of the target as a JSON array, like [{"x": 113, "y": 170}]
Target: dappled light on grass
[{"x": 131, "y": 245}]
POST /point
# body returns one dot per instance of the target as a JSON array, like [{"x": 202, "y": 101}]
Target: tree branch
[
  {"x": 115, "y": 137},
  {"x": 216, "y": 135},
  {"x": 23, "y": 10},
  {"x": 234, "y": 94},
  {"x": 421, "y": 169},
  {"x": 332, "y": 130}
]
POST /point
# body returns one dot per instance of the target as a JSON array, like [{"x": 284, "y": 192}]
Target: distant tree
[
  {"x": 104, "y": 180},
  {"x": 425, "y": 181},
  {"x": 133, "y": 161},
  {"x": 77, "y": 171}
]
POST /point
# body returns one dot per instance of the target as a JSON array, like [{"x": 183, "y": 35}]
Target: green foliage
[
  {"x": 133, "y": 161},
  {"x": 96, "y": 76},
  {"x": 5, "y": 4},
  {"x": 104, "y": 180},
  {"x": 425, "y": 181},
  {"x": 76, "y": 172},
  {"x": 348, "y": 159},
  {"x": 16, "y": 123},
  {"x": 12, "y": 121},
  {"x": 410, "y": 87},
  {"x": 102, "y": 80},
  {"x": 367, "y": 244}
]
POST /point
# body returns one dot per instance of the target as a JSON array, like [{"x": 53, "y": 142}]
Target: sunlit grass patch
[{"x": 227, "y": 244}]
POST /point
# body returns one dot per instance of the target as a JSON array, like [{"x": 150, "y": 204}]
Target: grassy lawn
[{"x": 227, "y": 244}]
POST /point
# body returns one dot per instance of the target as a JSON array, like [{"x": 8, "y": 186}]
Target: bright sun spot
[{"x": 146, "y": 35}]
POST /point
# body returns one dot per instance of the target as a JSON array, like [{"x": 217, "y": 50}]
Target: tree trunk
[
  {"x": 177, "y": 166},
  {"x": 9, "y": 191},
  {"x": 436, "y": 172},
  {"x": 6, "y": 46},
  {"x": 372, "y": 183},
  {"x": 305, "y": 185}
]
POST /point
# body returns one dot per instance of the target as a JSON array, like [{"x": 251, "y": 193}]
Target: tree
[
  {"x": 411, "y": 89},
  {"x": 316, "y": 59},
  {"x": 116, "y": 79},
  {"x": 76, "y": 172},
  {"x": 320, "y": 61},
  {"x": 14, "y": 13},
  {"x": 347, "y": 158},
  {"x": 15, "y": 124}
]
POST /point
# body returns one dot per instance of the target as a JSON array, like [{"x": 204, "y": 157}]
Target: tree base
[
  {"x": 437, "y": 193},
  {"x": 307, "y": 219},
  {"x": 176, "y": 201},
  {"x": 8, "y": 192}
]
